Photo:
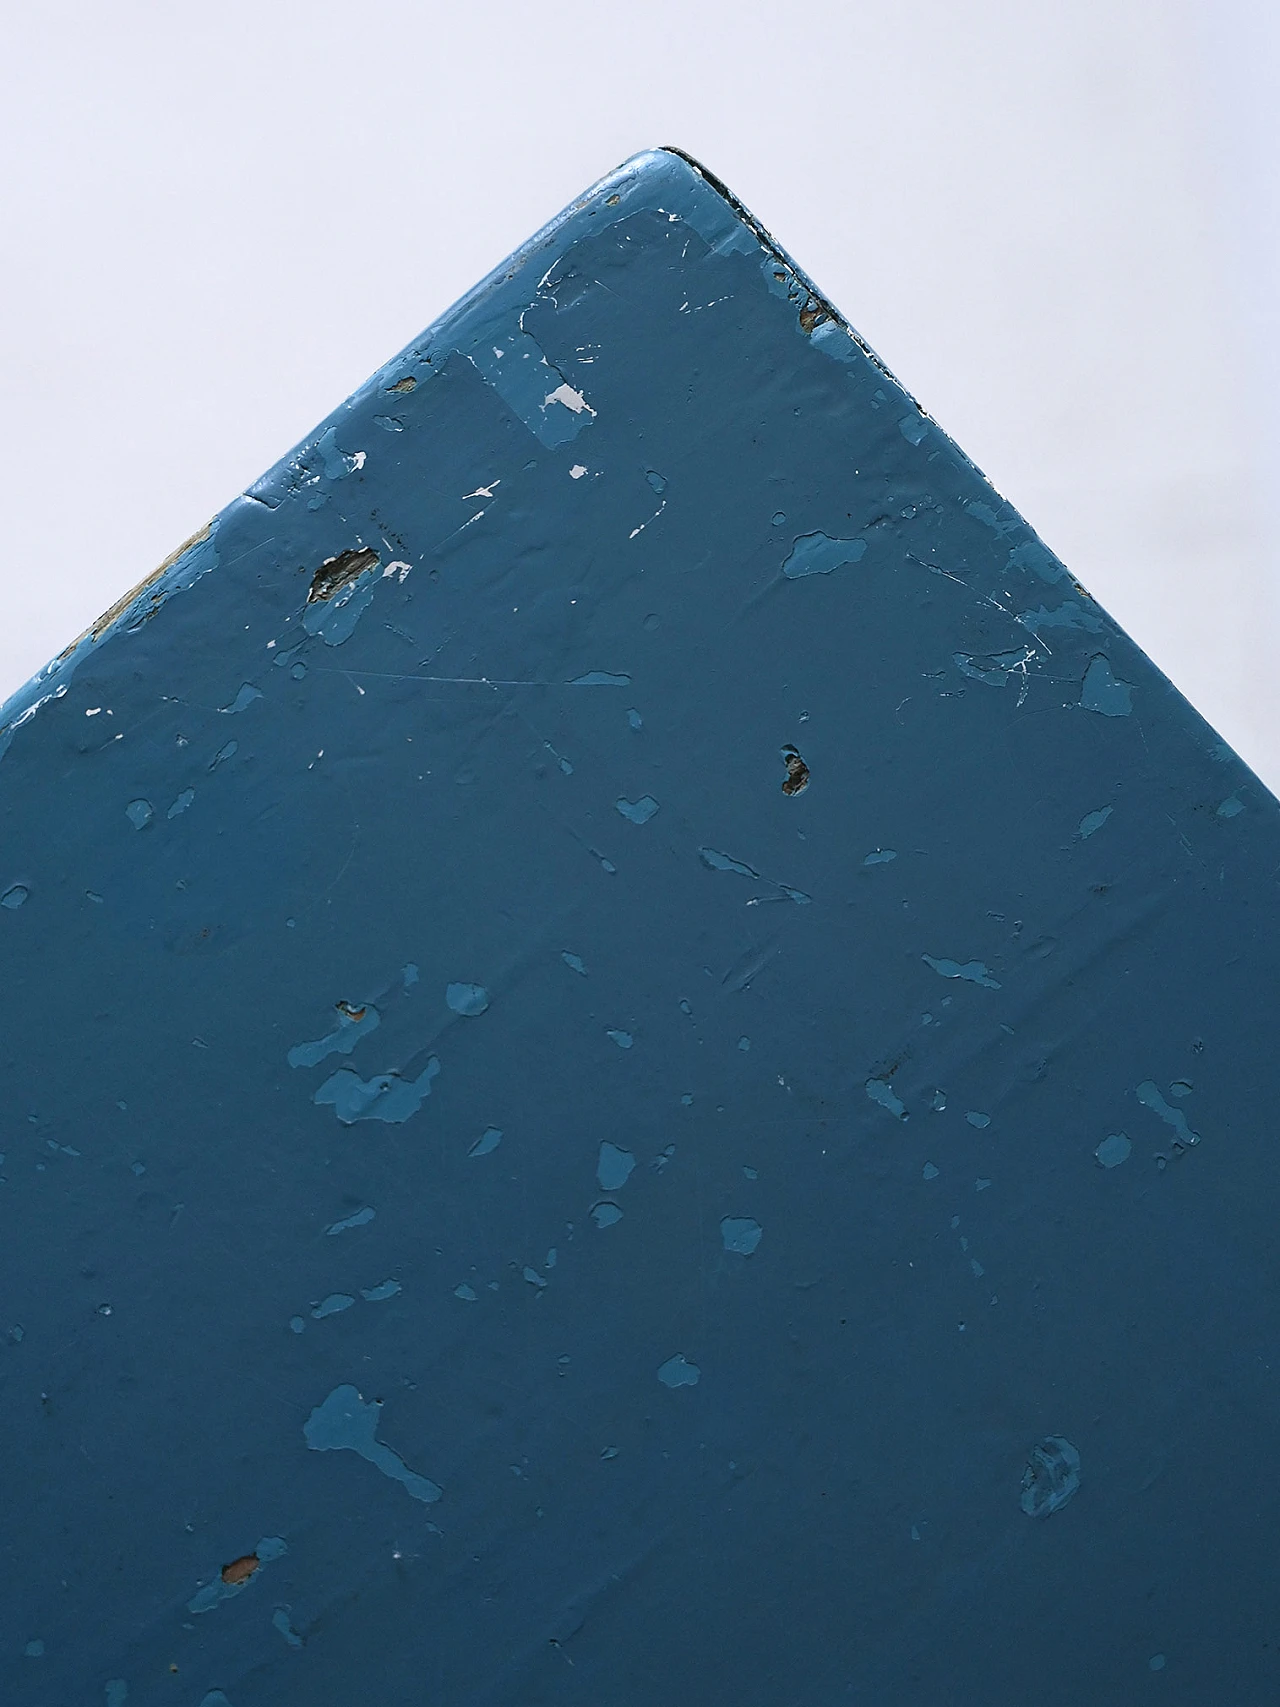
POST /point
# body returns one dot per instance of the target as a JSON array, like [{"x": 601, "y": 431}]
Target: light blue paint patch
[
  {"x": 280, "y": 1621},
  {"x": 613, "y": 1167},
  {"x": 215, "y": 1698},
  {"x": 377, "y": 1294},
  {"x": 465, "y": 1292},
  {"x": 361, "y": 1218},
  {"x": 1093, "y": 822},
  {"x": 819, "y": 554},
  {"x": 1103, "y": 692},
  {"x": 677, "y": 1371},
  {"x": 409, "y": 977},
  {"x": 1066, "y": 615},
  {"x": 335, "y": 619},
  {"x": 333, "y": 1305},
  {"x": 750, "y": 1173},
  {"x": 606, "y": 1214},
  {"x": 1180, "y": 1088},
  {"x": 389, "y": 423},
  {"x": 34, "y": 1650},
  {"x": 881, "y": 1091},
  {"x": 346, "y": 1423},
  {"x": 353, "y": 1024},
  {"x": 297, "y": 1325},
  {"x": 118, "y": 1692},
  {"x": 1157, "y": 1662},
  {"x": 721, "y": 862},
  {"x": 656, "y": 480},
  {"x": 574, "y": 963},
  {"x": 511, "y": 360},
  {"x": 975, "y": 1117},
  {"x": 987, "y": 516},
  {"x": 243, "y": 700},
  {"x": 982, "y": 1185},
  {"x": 14, "y": 896},
  {"x": 716, "y": 861},
  {"x": 913, "y": 429},
  {"x": 337, "y": 464},
  {"x": 741, "y": 1235},
  {"x": 387, "y": 1097},
  {"x": 468, "y": 1000},
  {"x": 637, "y": 811},
  {"x": 600, "y": 679},
  {"x": 973, "y": 971},
  {"x": 1114, "y": 1150},
  {"x": 744, "y": 1043},
  {"x": 227, "y": 751},
  {"x": 1149, "y": 1096},
  {"x": 623, "y": 1039},
  {"x": 139, "y": 813},
  {"x": 181, "y": 804},
  {"x": 1051, "y": 1478},
  {"x": 487, "y": 1142},
  {"x": 533, "y": 1277},
  {"x": 1036, "y": 557},
  {"x": 881, "y": 856},
  {"x": 929, "y": 1171},
  {"x": 1230, "y": 806},
  {"x": 634, "y": 718},
  {"x": 213, "y": 1593}
]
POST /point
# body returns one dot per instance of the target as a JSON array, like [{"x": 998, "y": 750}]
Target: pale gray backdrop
[{"x": 1057, "y": 222}]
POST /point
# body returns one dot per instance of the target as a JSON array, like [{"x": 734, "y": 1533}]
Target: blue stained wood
[{"x": 637, "y": 1058}]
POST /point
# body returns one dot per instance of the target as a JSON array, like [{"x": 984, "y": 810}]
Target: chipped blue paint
[
  {"x": 741, "y": 1235},
  {"x": 637, "y": 811},
  {"x": 1113, "y": 1150},
  {"x": 361, "y": 1218},
  {"x": 371, "y": 730},
  {"x": 677, "y": 1371},
  {"x": 973, "y": 971},
  {"x": 1092, "y": 822},
  {"x": 1102, "y": 692},
  {"x": 1148, "y": 1094},
  {"x": 882, "y": 1092},
  {"x": 353, "y": 1024},
  {"x": 387, "y": 1097},
  {"x": 818, "y": 554},
  {"x": 213, "y": 1593},
  {"x": 614, "y": 1167},
  {"x": 468, "y": 1000},
  {"x": 346, "y": 1422}
]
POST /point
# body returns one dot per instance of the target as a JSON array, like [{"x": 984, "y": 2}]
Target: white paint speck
[
  {"x": 399, "y": 567},
  {"x": 577, "y": 471},
  {"x": 571, "y": 399}
]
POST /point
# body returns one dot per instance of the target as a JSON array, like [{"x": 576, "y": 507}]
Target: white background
[{"x": 1059, "y": 224}]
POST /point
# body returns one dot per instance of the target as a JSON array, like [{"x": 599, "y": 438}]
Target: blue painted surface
[{"x": 929, "y": 1350}]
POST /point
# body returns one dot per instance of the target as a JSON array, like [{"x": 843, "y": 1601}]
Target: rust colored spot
[
  {"x": 356, "y": 1014},
  {"x": 405, "y": 384},
  {"x": 122, "y": 604},
  {"x": 797, "y": 772},
  {"x": 338, "y": 572},
  {"x": 241, "y": 1569},
  {"x": 811, "y": 315},
  {"x": 612, "y": 201}
]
